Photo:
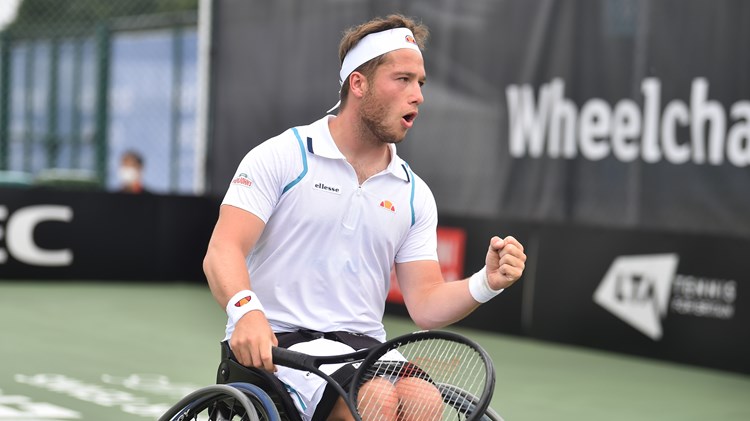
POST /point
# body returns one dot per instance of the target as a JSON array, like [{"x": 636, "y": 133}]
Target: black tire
[
  {"x": 264, "y": 405},
  {"x": 215, "y": 403}
]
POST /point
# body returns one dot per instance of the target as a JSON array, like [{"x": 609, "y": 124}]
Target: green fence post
[
  {"x": 4, "y": 95},
  {"x": 103, "y": 37},
  {"x": 176, "y": 109},
  {"x": 52, "y": 141},
  {"x": 28, "y": 105},
  {"x": 76, "y": 98}
]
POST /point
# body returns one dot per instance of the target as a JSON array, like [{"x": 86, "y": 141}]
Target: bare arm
[
  {"x": 434, "y": 303},
  {"x": 235, "y": 234}
]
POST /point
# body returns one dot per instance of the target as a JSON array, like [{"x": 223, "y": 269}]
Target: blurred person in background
[
  {"x": 130, "y": 173},
  {"x": 315, "y": 219}
]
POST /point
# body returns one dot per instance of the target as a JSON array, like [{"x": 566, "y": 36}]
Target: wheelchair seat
[{"x": 230, "y": 371}]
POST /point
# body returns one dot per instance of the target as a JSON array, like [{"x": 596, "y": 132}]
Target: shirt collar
[
  {"x": 323, "y": 145},
  {"x": 398, "y": 166}
]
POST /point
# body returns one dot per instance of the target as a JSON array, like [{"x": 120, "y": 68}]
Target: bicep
[{"x": 236, "y": 228}]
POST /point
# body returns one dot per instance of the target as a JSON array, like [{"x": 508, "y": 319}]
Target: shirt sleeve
[
  {"x": 263, "y": 173},
  {"x": 421, "y": 241}
]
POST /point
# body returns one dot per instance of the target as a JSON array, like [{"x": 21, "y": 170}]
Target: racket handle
[{"x": 292, "y": 359}]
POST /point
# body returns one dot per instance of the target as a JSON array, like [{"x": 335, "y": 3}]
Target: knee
[
  {"x": 419, "y": 399},
  {"x": 378, "y": 400}
]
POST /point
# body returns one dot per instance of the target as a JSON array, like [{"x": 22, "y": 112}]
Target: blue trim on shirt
[
  {"x": 292, "y": 390},
  {"x": 410, "y": 175},
  {"x": 408, "y": 178},
  {"x": 304, "y": 162}
]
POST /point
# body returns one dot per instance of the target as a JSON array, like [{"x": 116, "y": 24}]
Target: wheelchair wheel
[
  {"x": 223, "y": 403},
  {"x": 262, "y": 402}
]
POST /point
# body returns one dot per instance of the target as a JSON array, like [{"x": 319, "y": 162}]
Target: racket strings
[{"x": 422, "y": 380}]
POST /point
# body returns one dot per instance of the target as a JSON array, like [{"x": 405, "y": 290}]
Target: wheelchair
[{"x": 249, "y": 394}]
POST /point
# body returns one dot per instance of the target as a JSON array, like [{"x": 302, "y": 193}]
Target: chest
[{"x": 331, "y": 197}]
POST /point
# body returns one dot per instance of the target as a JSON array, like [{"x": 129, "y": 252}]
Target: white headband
[{"x": 374, "y": 45}]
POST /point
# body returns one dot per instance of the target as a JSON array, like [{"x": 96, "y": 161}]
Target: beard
[{"x": 374, "y": 116}]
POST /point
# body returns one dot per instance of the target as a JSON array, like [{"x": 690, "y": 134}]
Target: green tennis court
[{"x": 122, "y": 351}]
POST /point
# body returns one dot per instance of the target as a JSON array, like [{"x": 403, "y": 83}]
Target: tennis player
[{"x": 315, "y": 218}]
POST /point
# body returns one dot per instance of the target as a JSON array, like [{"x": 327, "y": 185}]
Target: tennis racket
[{"x": 426, "y": 376}]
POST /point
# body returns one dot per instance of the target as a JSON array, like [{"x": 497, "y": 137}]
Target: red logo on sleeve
[{"x": 243, "y": 180}]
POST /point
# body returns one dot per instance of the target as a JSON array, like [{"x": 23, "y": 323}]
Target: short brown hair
[{"x": 354, "y": 34}]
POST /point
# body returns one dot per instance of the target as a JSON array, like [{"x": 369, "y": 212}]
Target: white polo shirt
[{"x": 323, "y": 261}]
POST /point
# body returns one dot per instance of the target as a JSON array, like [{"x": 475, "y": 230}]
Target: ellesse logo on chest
[{"x": 328, "y": 188}]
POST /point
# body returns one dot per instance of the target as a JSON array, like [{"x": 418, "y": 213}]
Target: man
[
  {"x": 130, "y": 173},
  {"x": 315, "y": 218}
]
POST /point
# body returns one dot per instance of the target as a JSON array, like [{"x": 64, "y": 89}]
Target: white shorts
[{"x": 306, "y": 388}]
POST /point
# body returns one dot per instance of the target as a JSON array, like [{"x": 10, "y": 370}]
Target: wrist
[
  {"x": 479, "y": 287},
  {"x": 242, "y": 303}
]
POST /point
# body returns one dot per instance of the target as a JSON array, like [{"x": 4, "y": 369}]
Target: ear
[{"x": 358, "y": 84}]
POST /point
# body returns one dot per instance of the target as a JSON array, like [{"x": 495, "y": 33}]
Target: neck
[
  {"x": 364, "y": 151},
  {"x": 136, "y": 187}
]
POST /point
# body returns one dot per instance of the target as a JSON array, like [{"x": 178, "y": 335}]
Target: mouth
[{"x": 408, "y": 119}]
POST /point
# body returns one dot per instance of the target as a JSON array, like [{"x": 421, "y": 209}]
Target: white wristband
[
  {"x": 242, "y": 303},
  {"x": 479, "y": 287}
]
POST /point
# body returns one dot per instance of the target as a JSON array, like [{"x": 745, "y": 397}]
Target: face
[
  {"x": 130, "y": 170},
  {"x": 391, "y": 100}
]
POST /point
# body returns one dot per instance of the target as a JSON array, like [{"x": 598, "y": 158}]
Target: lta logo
[{"x": 637, "y": 290}]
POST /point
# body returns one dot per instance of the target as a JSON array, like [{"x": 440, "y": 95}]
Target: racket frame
[
  {"x": 369, "y": 356},
  {"x": 482, "y": 402}
]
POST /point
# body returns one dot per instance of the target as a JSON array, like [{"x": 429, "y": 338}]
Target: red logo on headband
[{"x": 410, "y": 39}]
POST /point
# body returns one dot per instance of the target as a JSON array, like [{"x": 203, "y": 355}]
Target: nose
[{"x": 417, "y": 97}]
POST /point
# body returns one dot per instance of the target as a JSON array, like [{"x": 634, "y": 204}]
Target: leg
[
  {"x": 419, "y": 400},
  {"x": 378, "y": 400},
  {"x": 340, "y": 412}
]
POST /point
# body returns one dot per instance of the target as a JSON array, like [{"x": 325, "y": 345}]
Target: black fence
[
  {"x": 63, "y": 234},
  {"x": 677, "y": 297}
]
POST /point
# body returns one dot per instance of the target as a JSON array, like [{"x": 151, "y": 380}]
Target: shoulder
[
  {"x": 284, "y": 141},
  {"x": 423, "y": 196},
  {"x": 422, "y": 201},
  {"x": 295, "y": 138},
  {"x": 286, "y": 147},
  {"x": 420, "y": 186}
]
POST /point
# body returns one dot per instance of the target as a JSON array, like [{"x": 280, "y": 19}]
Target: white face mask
[{"x": 128, "y": 175}]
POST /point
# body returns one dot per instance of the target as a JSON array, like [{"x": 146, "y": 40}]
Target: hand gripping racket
[{"x": 426, "y": 376}]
